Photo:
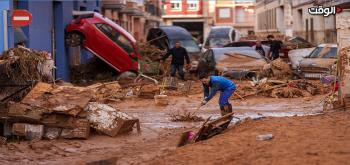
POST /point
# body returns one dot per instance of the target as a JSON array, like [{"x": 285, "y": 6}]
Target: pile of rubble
[
  {"x": 52, "y": 112},
  {"x": 185, "y": 116},
  {"x": 150, "y": 56},
  {"x": 150, "y": 52},
  {"x": 94, "y": 70},
  {"x": 282, "y": 89},
  {"x": 20, "y": 65},
  {"x": 280, "y": 69}
]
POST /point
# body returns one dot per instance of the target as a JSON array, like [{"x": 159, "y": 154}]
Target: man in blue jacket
[{"x": 211, "y": 85}]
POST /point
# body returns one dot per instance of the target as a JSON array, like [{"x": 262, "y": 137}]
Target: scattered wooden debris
[
  {"x": 284, "y": 89},
  {"x": 208, "y": 130},
  {"x": 185, "y": 116}
]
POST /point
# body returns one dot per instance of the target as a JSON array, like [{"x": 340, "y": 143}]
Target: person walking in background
[
  {"x": 179, "y": 55},
  {"x": 275, "y": 47}
]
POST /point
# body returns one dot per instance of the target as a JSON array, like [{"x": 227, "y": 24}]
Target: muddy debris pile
[
  {"x": 150, "y": 57},
  {"x": 343, "y": 61},
  {"x": 282, "y": 89},
  {"x": 51, "y": 112},
  {"x": 112, "y": 92},
  {"x": 95, "y": 70},
  {"x": 280, "y": 68},
  {"x": 20, "y": 65},
  {"x": 180, "y": 116},
  {"x": 150, "y": 52}
]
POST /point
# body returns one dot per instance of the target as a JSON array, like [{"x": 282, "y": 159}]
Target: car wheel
[
  {"x": 74, "y": 39},
  {"x": 127, "y": 74}
]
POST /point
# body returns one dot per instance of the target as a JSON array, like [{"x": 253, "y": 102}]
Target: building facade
[
  {"x": 236, "y": 13},
  {"x": 291, "y": 18},
  {"x": 137, "y": 17},
  {"x": 189, "y": 14},
  {"x": 197, "y": 16},
  {"x": 47, "y": 30}
]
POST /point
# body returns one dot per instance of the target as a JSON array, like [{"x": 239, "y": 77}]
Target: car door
[{"x": 110, "y": 47}]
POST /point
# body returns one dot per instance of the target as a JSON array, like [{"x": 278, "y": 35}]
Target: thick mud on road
[{"x": 159, "y": 134}]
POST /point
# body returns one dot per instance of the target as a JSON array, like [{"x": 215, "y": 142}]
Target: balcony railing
[{"x": 114, "y": 4}]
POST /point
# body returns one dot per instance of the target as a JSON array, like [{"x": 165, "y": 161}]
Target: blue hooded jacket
[{"x": 217, "y": 83}]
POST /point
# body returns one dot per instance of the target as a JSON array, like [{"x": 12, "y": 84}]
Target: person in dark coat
[
  {"x": 275, "y": 47},
  {"x": 179, "y": 55}
]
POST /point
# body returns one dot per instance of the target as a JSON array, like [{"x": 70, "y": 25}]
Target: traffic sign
[{"x": 21, "y": 18}]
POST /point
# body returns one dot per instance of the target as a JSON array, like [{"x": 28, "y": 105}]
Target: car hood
[
  {"x": 241, "y": 62},
  {"x": 317, "y": 62},
  {"x": 297, "y": 55}
]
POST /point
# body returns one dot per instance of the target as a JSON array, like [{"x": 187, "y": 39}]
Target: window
[
  {"x": 190, "y": 45},
  {"x": 116, "y": 37},
  {"x": 224, "y": 13},
  {"x": 324, "y": 52},
  {"x": 175, "y": 5},
  {"x": 192, "y": 5},
  {"x": 240, "y": 15}
]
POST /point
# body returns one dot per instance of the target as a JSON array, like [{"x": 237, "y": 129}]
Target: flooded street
[
  {"x": 158, "y": 117},
  {"x": 159, "y": 134}
]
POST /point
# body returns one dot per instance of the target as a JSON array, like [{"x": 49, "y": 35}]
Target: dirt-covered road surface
[
  {"x": 321, "y": 139},
  {"x": 303, "y": 134}
]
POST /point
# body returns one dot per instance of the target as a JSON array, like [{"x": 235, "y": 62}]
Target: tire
[
  {"x": 127, "y": 74},
  {"x": 74, "y": 39}
]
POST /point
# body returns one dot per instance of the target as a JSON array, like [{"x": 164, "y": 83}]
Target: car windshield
[
  {"x": 324, "y": 52},
  {"x": 190, "y": 45},
  {"x": 116, "y": 37},
  {"x": 218, "y": 42}
]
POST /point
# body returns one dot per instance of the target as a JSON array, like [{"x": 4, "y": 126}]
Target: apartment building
[
  {"x": 137, "y": 17},
  {"x": 188, "y": 14},
  {"x": 236, "y": 13},
  {"x": 197, "y": 16},
  {"x": 291, "y": 18}
]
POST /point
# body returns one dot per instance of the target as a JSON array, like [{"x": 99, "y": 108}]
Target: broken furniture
[{"x": 208, "y": 130}]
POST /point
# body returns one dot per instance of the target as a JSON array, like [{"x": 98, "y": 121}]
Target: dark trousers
[
  {"x": 180, "y": 70},
  {"x": 275, "y": 55}
]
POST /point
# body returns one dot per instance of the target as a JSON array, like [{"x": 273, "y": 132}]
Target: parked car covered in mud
[
  {"x": 287, "y": 45},
  {"x": 165, "y": 37},
  {"x": 233, "y": 62},
  {"x": 321, "y": 61},
  {"x": 248, "y": 43},
  {"x": 105, "y": 39},
  {"x": 220, "y": 36}
]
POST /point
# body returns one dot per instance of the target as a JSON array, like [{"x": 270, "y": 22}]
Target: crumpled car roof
[
  {"x": 176, "y": 32},
  {"x": 247, "y": 51}
]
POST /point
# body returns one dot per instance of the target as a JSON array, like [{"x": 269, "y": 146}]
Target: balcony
[
  {"x": 114, "y": 4},
  {"x": 133, "y": 9}
]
